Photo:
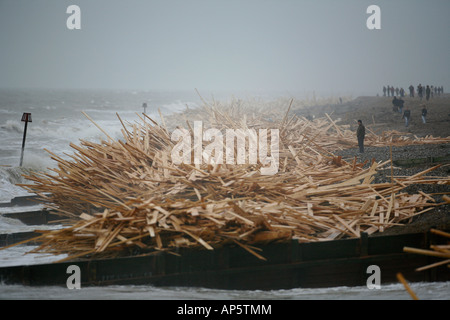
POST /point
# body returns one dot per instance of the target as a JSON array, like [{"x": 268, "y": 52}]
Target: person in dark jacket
[
  {"x": 407, "y": 116},
  {"x": 395, "y": 104},
  {"x": 424, "y": 114},
  {"x": 400, "y": 103},
  {"x": 360, "y": 134},
  {"x": 411, "y": 91}
]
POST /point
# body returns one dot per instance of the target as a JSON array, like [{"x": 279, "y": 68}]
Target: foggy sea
[{"x": 57, "y": 121}]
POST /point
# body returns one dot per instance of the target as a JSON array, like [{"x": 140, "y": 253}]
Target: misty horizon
[{"x": 287, "y": 46}]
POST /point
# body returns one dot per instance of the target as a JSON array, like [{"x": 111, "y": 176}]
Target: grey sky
[{"x": 285, "y": 45}]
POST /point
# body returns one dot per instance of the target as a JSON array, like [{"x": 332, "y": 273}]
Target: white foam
[
  {"x": 12, "y": 126},
  {"x": 19, "y": 256},
  {"x": 9, "y": 177}
]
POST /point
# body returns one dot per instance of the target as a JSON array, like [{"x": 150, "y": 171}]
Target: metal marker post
[
  {"x": 145, "y": 107},
  {"x": 26, "y": 117}
]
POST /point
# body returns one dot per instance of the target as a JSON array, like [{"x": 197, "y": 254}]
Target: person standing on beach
[
  {"x": 427, "y": 92},
  {"x": 424, "y": 114},
  {"x": 411, "y": 91},
  {"x": 420, "y": 91},
  {"x": 406, "y": 116},
  {"x": 392, "y": 90},
  {"x": 360, "y": 134},
  {"x": 389, "y": 91},
  {"x": 384, "y": 91}
]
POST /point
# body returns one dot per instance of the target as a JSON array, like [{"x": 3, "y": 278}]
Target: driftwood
[{"x": 129, "y": 194}]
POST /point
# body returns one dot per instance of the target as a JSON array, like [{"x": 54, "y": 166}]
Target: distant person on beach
[
  {"x": 395, "y": 104},
  {"x": 360, "y": 134},
  {"x": 397, "y": 90},
  {"x": 407, "y": 116},
  {"x": 402, "y": 92},
  {"x": 427, "y": 92},
  {"x": 400, "y": 103},
  {"x": 420, "y": 91},
  {"x": 424, "y": 114},
  {"x": 392, "y": 91},
  {"x": 384, "y": 91},
  {"x": 411, "y": 91}
]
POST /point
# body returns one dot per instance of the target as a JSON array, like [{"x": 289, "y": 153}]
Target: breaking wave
[
  {"x": 9, "y": 178},
  {"x": 12, "y": 126}
]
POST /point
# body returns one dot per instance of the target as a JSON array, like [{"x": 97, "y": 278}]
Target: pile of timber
[{"x": 128, "y": 193}]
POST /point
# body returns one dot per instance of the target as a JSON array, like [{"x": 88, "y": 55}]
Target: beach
[{"x": 48, "y": 132}]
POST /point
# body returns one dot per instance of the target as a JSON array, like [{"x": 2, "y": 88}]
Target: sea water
[{"x": 57, "y": 121}]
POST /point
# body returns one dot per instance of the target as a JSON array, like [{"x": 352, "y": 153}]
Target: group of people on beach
[
  {"x": 429, "y": 91},
  {"x": 398, "y": 104},
  {"x": 398, "y": 107}
]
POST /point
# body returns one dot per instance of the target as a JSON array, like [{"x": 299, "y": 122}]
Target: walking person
[
  {"x": 395, "y": 104},
  {"x": 360, "y": 134},
  {"x": 400, "y": 103},
  {"x": 406, "y": 116},
  {"x": 424, "y": 114}
]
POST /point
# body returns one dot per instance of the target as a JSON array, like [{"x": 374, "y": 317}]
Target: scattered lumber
[
  {"x": 128, "y": 194},
  {"x": 440, "y": 251},
  {"x": 402, "y": 279}
]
